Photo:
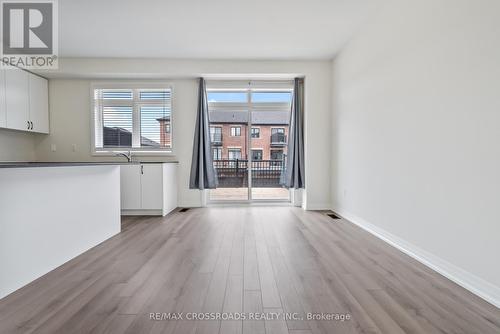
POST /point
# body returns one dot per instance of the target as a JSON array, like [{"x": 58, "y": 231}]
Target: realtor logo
[{"x": 29, "y": 33}]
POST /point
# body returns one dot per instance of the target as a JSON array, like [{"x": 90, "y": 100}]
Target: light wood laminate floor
[{"x": 253, "y": 260}]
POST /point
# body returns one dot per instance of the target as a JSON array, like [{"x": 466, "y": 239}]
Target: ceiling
[{"x": 209, "y": 29}]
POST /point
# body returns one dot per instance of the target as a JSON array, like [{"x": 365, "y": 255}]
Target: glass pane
[
  {"x": 268, "y": 169},
  {"x": 228, "y": 140},
  {"x": 117, "y": 94},
  {"x": 255, "y": 133},
  {"x": 233, "y": 97},
  {"x": 257, "y": 155},
  {"x": 155, "y": 126},
  {"x": 235, "y": 131},
  {"x": 216, "y": 135},
  {"x": 270, "y": 97},
  {"x": 229, "y": 144},
  {"x": 217, "y": 153},
  {"x": 117, "y": 126}
]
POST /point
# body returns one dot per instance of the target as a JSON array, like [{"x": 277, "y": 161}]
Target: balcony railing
[
  {"x": 234, "y": 173},
  {"x": 278, "y": 139},
  {"x": 216, "y": 139}
]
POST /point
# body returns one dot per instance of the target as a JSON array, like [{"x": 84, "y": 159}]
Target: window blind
[{"x": 134, "y": 118}]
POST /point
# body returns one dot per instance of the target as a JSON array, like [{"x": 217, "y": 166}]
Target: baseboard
[
  {"x": 467, "y": 280},
  {"x": 142, "y": 212}
]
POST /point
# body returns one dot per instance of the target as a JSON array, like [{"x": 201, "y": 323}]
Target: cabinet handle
[
  {"x": 142, "y": 169},
  {"x": 31, "y": 125},
  {"x": 28, "y": 125}
]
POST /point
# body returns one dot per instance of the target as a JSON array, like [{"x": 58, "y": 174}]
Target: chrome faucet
[{"x": 127, "y": 155}]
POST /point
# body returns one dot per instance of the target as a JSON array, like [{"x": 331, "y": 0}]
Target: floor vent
[
  {"x": 333, "y": 216},
  {"x": 183, "y": 209}
]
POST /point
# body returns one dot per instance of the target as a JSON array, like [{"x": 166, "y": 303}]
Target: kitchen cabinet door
[
  {"x": 3, "y": 121},
  {"x": 17, "y": 99},
  {"x": 130, "y": 183},
  {"x": 152, "y": 186},
  {"x": 39, "y": 104}
]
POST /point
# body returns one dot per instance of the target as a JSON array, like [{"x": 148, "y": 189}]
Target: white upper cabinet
[
  {"x": 3, "y": 121},
  {"x": 39, "y": 104},
  {"x": 17, "y": 99},
  {"x": 24, "y": 101}
]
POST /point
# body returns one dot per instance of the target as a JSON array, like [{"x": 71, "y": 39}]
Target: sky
[{"x": 256, "y": 96}]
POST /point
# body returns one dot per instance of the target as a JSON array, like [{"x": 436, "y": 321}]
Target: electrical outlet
[{"x": 53, "y": 147}]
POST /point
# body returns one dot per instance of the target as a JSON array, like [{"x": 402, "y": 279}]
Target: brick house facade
[
  {"x": 165, "y": 132},
  {"x": 228, "y": 138},
  {"x": 233, "y": 136}
]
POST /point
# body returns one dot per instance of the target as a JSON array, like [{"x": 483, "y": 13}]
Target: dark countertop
[{"x": 76, "y": 164}]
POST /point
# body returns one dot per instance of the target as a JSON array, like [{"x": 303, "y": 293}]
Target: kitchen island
[{"x": 51, "y": 213}]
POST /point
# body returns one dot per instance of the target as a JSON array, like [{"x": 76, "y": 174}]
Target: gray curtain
[
  {"x": 203, "y": 174},
  {"x": 294, "y": 176}
]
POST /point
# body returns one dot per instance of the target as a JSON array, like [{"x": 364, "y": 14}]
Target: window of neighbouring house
[
  {"x": 236, "y": 131},
  {"x": 276, "y": 155},
  {"x": 255, "y": 132},
  {"x": 234, "y": 153},
  {"x": 257, "y": 155},
  {"x": 136, "y": 119},
  {"x": 217, "y": 153},
  {"x": 278, "y": 136},
  {"x": 215, "y": 134}
]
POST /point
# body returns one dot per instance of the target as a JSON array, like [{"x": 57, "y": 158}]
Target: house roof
[
  {"x": 112, "y": 136},
  {"x": 258, "y": 117},
  {"x": 164, "y": 118}
]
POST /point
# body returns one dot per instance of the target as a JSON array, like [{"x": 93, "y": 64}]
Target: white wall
[
  {"x": 69, "y": 93},
  {"x": 416, "y": 149},
  {"x": 16, "y": 146}
]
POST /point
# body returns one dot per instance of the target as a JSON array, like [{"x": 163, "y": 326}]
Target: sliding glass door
[
  {"x": 248, "y": 130},
  {"x": 268, "y": 141}
]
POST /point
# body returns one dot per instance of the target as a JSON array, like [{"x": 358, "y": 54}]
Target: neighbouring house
[
  {"x": 165, "y": 131},
  {"x": 268, "y": 133},
  {"x": 120, "y": 137}
]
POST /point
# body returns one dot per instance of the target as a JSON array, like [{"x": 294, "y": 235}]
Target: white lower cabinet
[
  {"x": 152, "y": 190},
  {"x": 148, "y": 188},
  {"x": 130, "y": 184}
]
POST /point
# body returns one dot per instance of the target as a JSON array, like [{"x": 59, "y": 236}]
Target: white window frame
[
  {"x": 221, "y": 84},
  {"x": 97, "y": 151},
  {"x": 243, "y": 86},
  {"x": 278, "y": 128},
  {"x": 235, "y": 127},
  {"x": 218, "y": 148}
]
